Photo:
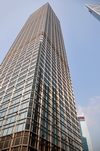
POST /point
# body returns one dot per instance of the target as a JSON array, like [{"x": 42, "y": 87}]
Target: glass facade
[
  {"x": 37, "y": 107},
  {"x": 85, "y": 136}
]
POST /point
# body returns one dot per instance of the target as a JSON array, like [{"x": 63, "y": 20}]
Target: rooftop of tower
[
  {"x": 46, "y": 6},
  {"x": 93, "y": 7}
]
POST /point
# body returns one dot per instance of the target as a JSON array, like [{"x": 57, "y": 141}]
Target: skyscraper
[
  {"x": 94, "y": 9},
  {"x": 37, "y": 104},
  {"x": 85, "y": 136}
]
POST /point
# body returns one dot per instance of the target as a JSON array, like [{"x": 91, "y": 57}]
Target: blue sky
[{"x": 81, "y": 32}]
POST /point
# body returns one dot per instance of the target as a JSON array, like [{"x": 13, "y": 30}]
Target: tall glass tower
[
  {"x": 37, "y": 107},
  {"x": 85, "y": 136}
]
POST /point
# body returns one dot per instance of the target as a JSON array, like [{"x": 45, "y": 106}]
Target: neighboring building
[
  {"x": 94, "y": 9},
  {"x": 37, "y": 105},
  {"x": 86, "y": 140}
]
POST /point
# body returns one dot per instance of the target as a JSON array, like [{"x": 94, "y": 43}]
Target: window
[
  {"x": 45, "y": 113},
  {"x": 64, "y": 146},
  {"x": 13, "y": 110},
  {"x": 55, "y": 141},
  {"x": 10, "y": 130},
  {"x": 26, "y": 96},
  {"x": 24, "y": 106},
  {"x": 45, "y": 123},
  {"x": 15, "y": 101},
  {"x": 45, "y": 135},
  {"x": 5, "y": 132},
  {"x": 20, "y": 127},
  {"x": 21, "y": 116}
]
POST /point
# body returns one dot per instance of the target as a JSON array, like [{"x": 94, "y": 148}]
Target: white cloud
[{"x": 92, "y": 115}]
